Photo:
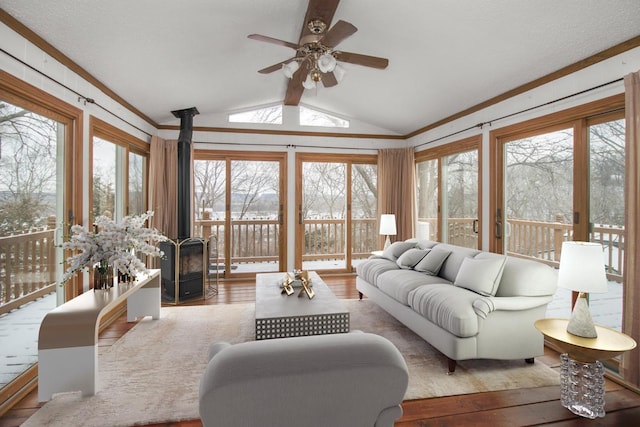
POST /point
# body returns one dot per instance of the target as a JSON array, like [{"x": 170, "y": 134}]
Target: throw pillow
[
  {"x": 481, "y": 275},
  {"x": 396, "y": 249},
  {"x": 411, "y": 257},
  {"x": 432, "y": 262}
]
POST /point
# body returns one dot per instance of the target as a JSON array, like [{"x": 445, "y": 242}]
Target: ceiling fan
[{"x": 316, "y": 56}]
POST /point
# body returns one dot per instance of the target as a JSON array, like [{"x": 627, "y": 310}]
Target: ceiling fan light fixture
[
  {"x": 327, "y": 63},
  {"x": 309, "y": 83},
  {"x": 290, "y": 68},
  {"x": 339, "y": 72}
]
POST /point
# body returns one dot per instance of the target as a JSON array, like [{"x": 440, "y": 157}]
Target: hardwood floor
[{"x": 522, "y": 407}]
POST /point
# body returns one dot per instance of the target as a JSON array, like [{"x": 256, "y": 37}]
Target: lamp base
[
  {"x": 387, "y": 242},
  {"x": 581, "y": 323}
]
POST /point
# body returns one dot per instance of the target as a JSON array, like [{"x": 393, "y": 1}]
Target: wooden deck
[{"x": 522, "y": 407}]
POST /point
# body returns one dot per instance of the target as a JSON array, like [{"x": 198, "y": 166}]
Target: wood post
[{"x": 558, "y": 238}]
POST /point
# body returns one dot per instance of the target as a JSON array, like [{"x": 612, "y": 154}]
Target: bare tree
[
  {"x": 250, "y": 180},
  {"x": 210, "y": 178},
  {"x": 28, "y": 144},
  {"x": 364, "y": 191},
  {"x": 539, "y": 176},
  {"x": 324, "y": 189}
]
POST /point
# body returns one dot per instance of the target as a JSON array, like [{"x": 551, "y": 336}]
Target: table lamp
[
  {"x": 582, "y": 270},
  {"x": 388, "y": 227}
]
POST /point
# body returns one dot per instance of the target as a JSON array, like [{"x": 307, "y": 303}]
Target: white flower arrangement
[{"x": 112, "y": 245}]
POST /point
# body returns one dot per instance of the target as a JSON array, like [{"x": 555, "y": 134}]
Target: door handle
[
  {"x": 475, "y": 226},
  {"x": 498, "y": 230}
]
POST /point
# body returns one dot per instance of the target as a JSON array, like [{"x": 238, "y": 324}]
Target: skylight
[
  {"x": 268, "y": 115},
  {"x": 309, "y": 117}
]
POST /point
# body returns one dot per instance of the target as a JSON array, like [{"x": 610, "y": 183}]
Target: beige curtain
[
  {"x": 630, "y": 370},
  {"x": 396, "y": 189},
  {"x": 163, "y": 165}
]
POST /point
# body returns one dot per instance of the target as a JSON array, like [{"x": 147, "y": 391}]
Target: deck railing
[
  {"x": 27, "y": 267},
  {"x": 256, "y": 240},
  {"x": 543, "y": 241},
  {"x": 27, "y": 261}
]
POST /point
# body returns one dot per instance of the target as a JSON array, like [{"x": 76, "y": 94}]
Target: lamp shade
[
  {"x": 339, "y": 72},
  {"x": 327, "y": 63},
  {"x": 388, "y": 224},
  {"x": 290, "y": 68},
  {"x": 582, "y": 267},
  {"x": 308, "y": 83}
]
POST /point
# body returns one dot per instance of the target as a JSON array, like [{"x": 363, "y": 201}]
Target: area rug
[{"x": 152, "y": 373}]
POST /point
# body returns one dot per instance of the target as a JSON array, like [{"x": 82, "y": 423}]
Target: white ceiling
[{"x": 444, "y": 56}]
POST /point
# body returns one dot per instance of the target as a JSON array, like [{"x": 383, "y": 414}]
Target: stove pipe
[{"x": 184, "y": 170}]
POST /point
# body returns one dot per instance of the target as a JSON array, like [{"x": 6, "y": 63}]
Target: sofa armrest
[{"x": 485, "y": 305}]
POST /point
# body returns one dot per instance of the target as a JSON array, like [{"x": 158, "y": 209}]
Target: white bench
[{"x": 68, "y": 338}]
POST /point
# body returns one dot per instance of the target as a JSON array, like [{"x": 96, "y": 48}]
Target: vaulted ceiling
[{"x": 444, "y": 56}]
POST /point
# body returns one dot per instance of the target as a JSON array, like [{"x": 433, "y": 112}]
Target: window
[
  {"x": 119, "y": 165},
  {"x": 337, "y": 210},
  {"x": 448, "y": 193},
  {"x": 561, "y": 178},
  {"x": 309, "y": 117},
  {"x": 40, "y": 139},
  {"x": 240, "y": 199},
  {"x": 267, "y": 115}
]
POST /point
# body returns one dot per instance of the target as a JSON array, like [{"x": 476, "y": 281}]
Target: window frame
[
  {"x": 100, "y": 129},
  {"x": 439, "y": 153}
]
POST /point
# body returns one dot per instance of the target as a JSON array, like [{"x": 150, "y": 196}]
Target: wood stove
[{"x": 183, "y": 266}]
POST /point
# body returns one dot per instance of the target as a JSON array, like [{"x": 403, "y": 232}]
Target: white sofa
[
  {"x": 352, "y": 379},
  {"x": 467, "y": 303}
]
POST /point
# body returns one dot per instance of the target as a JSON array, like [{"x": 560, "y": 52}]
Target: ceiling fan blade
[
  {"x": 365, "y": 60},
  {"x": 275, "y": 67},
  {"x": 319, "y": 9},
  {"x": 268, "y": 39},
  {"x": 337, "y": 33},
  {"x": 329, "y": 79},
  {"x": 295, "y": 88}
]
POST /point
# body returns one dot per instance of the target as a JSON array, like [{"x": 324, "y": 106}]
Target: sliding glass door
[
  {"x": 606, "y": 212},
  {"x": 448, "y": 193},
  {"x": 336, "y": 203},
  {"x": 538, "y": 194},
  {"x": 560, "y": 182},
  {"x": 36, "y": 205},
  {"x": 240, "y": 201}
]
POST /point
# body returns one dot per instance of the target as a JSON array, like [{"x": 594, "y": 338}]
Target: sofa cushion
[
  {"x": 372, "y": 268},
  {"x": 423, "y": 243},
  {"x": 452, "y": 264},
  {"x": 449, "y": 307},
  {"x": 432, "y": 262},
  {"x": 398, "y": 284},
  {"x": 396, "y": 249},
  {"x": 411, "y": 257},
  {"x": 481, "y": 275}
]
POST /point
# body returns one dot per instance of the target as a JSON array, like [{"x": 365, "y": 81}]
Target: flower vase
[
  {"x": 126, "y": 278},
  {"x": 102, "y": 277}
]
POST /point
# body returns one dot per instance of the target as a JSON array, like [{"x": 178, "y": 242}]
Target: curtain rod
[
  {"x": 85, "y": 99},
  {"x": 294, "y": 146},
  {"x": 490, "y": 122}
]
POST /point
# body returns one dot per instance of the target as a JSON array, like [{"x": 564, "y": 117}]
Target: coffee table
[{"x": 282, "y": 316}]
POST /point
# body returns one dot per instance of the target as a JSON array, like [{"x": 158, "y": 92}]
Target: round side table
[{"x": 582, "y": 372}]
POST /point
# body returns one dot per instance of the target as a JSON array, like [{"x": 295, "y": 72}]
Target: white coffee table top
[{"x": 271, "y": 303}]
